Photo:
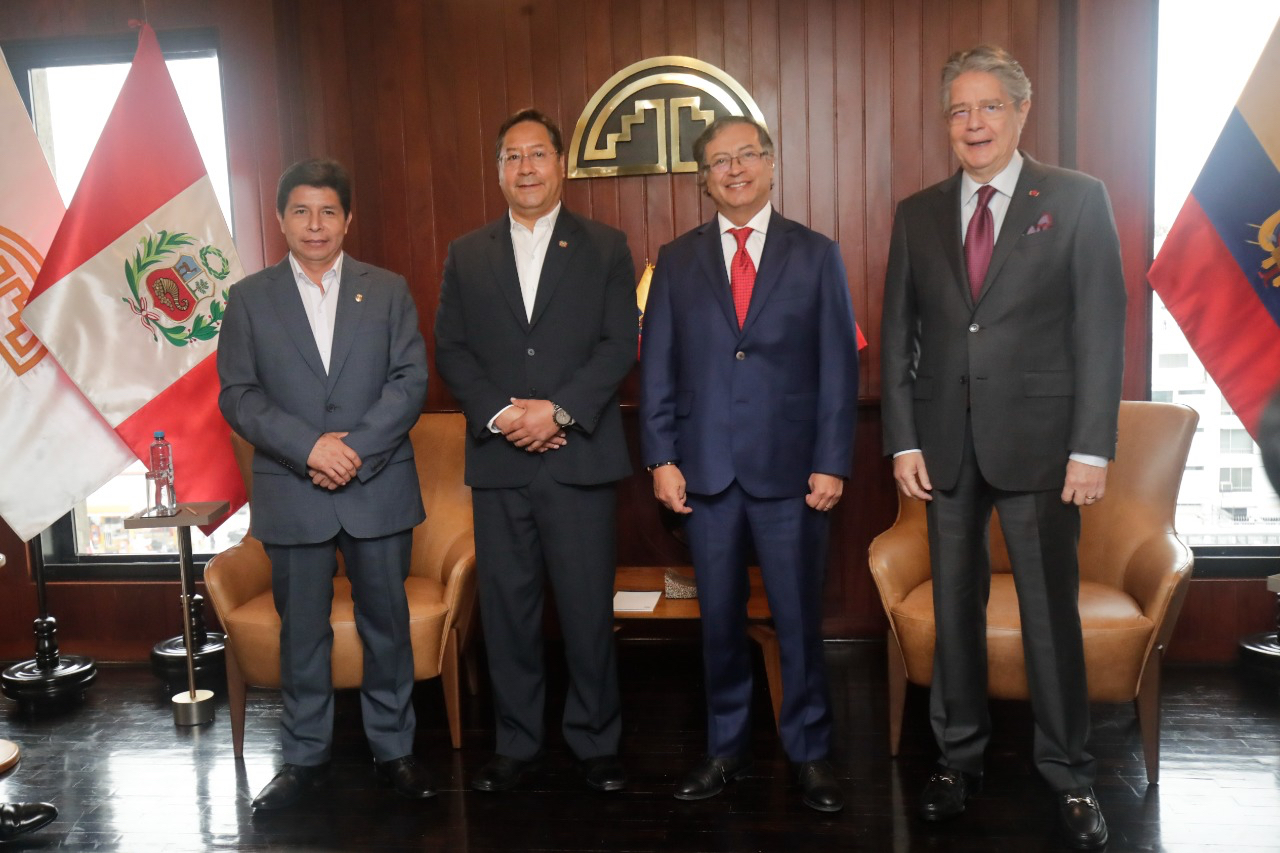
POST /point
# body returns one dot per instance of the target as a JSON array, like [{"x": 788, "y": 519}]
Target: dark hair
[
  {"x": 530, "y": 114},
  {"x": 315, "y": 173},
  {"x": 704, "y": 139}
]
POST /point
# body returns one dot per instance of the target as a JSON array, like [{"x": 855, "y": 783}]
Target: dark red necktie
[
  {"x": 742, "y": 275},
  {"x": 980, "y": 240}
]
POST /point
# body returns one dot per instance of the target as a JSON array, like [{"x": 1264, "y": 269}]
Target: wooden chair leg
[
  {"x": 235, "y": 702},
  {"x": 897, "y": 692},
  {"x": 1147, "y": 704},
  {"x": 767, "y": 638},
  {"x": 449, "y": 681}
]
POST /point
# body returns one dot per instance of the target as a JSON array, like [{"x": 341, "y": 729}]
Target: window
[
  {"x": 1162, "y": 396},
  {"x": 1235, "y": 479},
  {"x": 1235, "y": 441},
  {"x": 70, "y": 86},
  {"x": 1238, "y": 30}
]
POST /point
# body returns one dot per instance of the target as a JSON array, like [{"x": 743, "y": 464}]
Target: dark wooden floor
[{"x": 126, "y": 779}]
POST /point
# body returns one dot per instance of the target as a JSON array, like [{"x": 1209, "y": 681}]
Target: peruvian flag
[
  {"x": 132, "y": 293},
  {"x": 57, "y": 449}
]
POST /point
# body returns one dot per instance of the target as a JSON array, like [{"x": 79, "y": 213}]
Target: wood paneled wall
[{"x": 409, "y": 94}]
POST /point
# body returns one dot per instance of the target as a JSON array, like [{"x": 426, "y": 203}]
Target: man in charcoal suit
[{"x": 1003, "y": 340}]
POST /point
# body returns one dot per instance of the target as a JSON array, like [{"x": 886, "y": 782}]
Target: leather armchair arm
[
  {"x": 238, "y": 574},
  {"x": 1157, "y": 570},
  {"x": 899, "y": 557}
]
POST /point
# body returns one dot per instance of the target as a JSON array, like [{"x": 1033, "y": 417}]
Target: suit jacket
[
  {"x": 1037, "y": 360},
  {"x": 575, "y": 351},
  {"x": 276, "y": 394},
  {"x": 769, "y": 404}
]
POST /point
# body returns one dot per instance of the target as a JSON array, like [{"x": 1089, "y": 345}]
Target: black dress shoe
[
  {"x": 604, "y": 773},
  {"x": 1083, "y": 826},
  {"x": 710, "y": 776},
  {"x": 17, "y": 818},
  {"x": 290, "y": 784},
  {"x": 502, "y": 773},
  {"x": 817, "y": 781},
  {"x": 408, "y": 777},
  {"x": 945, "y": 794}
]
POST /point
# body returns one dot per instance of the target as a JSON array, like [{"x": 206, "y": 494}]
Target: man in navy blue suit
[{"x": 748, "y": 401}]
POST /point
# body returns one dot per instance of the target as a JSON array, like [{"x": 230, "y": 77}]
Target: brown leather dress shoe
[
  {"x": 818, "y": 785},
  {"x": 710, "y": 777},
  {"x": 1082, "y": 825},
  {"x": 290, "y": 784},
  {"x": 17, "y": 818},
  {"x": 409, "y": 778},
  {"x": 604, "y": 773}
]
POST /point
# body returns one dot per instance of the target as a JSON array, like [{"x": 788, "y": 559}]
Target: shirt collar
[
  {"x": 1005, "y": 182},
  {"x": 759, "y": 222},
  {"x": 542, "y": 223},
  {"x": 301, "y": 277}
]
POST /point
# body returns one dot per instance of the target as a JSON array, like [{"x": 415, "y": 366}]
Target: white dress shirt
[
  {"x": 759, "y": 225},
  {"x": 530, "y": 247},
  {"x": 320, "y": 301}
]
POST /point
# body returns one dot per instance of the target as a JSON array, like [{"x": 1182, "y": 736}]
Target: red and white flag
[
  {"x": 57, "y": 449},
  {"x": 132, "y": 293}
]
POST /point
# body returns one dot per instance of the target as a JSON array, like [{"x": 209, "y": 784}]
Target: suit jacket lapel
[
  {"x": 293, "y": 316},
  {"x": 350, "y": 313},
  {"x": 711, "y": 257},
  {"x": 502, "y": 258},
  {"x": 777, "y": 249},
  {"x": 1023, "y": 211},
  {"x": 947, "y": 219},
  {"x": 565, "y": 240}
]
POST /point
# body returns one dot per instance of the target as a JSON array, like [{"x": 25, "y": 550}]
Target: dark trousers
[
  {"x": 524, "y": 536},
  {"x": 302, "y": 582},
  {"x": 1041, "y": 533},
  {"x": 790, "y": 541}
]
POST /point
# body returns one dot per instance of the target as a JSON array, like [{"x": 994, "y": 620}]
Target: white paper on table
[{"x": 630, "y": 600}]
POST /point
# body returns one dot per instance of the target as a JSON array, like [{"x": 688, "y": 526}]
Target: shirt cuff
[
  {"x": 493, "y": 428},
  {"x": 1095, "y": 461},
  {"x": 903, "y": 452}
]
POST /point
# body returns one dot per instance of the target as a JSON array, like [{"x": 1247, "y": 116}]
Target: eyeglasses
[
  {"x": 536, "y": 157},
  {"x": 987, "y": 109},
  {"x": 746, "y": 158}
]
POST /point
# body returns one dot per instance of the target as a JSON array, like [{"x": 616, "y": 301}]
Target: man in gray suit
[
  {"x": 536, "y": 329},
  {"x": 324, "y": 371},
  {"x": 1003, "y": 339}
]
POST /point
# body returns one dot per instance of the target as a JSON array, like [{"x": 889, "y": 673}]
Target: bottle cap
[{"x": 159, "y": 433}]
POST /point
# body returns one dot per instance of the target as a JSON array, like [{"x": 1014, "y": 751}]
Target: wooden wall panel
[{"x": 409, "y": 94}]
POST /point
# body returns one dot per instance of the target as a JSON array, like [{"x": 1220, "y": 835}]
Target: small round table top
[{"x": 9, "y": 754}]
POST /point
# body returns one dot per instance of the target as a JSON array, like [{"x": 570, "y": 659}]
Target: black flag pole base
[
  {"x": 32, "y": 686},
  {"x": 208, "y": 660}
]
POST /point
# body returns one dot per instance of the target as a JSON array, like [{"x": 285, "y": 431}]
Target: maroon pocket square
[{"x": 1044, "y": 223}]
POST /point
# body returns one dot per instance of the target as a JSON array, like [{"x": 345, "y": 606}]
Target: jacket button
[
  {"x": 331, "y": 407},
  {"x": 974, "y": 327},
  {"x": 529, "y": 351},
  {"x": 740, "y": 355}
]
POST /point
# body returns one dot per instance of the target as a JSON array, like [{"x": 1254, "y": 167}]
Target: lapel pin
[
  {"x": 564, "y": 244},
  {"x": 1034, "y": 193},
  {"x": 359, "y": 297}
]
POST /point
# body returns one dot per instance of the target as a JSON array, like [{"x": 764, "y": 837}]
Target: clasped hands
[
  {"x": 331, "y": 463},
  {"x": 531, "y": 425}
]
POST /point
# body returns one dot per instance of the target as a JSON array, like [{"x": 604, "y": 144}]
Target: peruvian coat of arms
[{"x": 177, "y": 287}]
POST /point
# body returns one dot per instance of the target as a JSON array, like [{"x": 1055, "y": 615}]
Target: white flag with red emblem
[
  {"x": 57, "y": 449},
  {"x": 132, "y": 293}
]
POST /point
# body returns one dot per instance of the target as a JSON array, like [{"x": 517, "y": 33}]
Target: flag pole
[{"x": 49, "y": 677}]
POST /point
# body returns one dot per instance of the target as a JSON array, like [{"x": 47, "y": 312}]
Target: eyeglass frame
[
  {"x": 746, "y": 158},
  {"x": 959, "y": 113},
  {"x": 537, "y": 157}
]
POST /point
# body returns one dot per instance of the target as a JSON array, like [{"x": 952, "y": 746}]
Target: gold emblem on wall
[{"x": 644, "y": 119}]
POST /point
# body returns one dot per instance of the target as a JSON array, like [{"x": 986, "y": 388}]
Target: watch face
[{"x": 562, "y": 417}]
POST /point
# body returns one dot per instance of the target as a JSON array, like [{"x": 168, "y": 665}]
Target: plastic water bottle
[{"x": 160, "y": 479}]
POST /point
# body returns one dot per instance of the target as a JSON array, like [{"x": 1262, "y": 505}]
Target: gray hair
[{"x": 993, "y": 60}]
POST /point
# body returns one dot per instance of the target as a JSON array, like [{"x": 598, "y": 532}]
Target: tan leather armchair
[
  {"x": 440, "y": 587},
  {"x": 1134, "y": 573}
]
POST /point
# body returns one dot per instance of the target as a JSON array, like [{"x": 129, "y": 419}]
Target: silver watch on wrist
[{"x": 561, "y": 417}]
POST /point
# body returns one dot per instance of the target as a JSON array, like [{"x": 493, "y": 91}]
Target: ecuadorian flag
[{"x": 1217, "y": 270}]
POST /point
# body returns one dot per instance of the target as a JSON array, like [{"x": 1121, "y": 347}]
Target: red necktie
[
  {"x": 742, "y": 275},
  {"x": 980, "y": 240}
]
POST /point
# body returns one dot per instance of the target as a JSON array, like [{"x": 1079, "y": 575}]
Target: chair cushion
[
  {"x": 255, "y": 627},
  {"x": 1116, "y": 634}
]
